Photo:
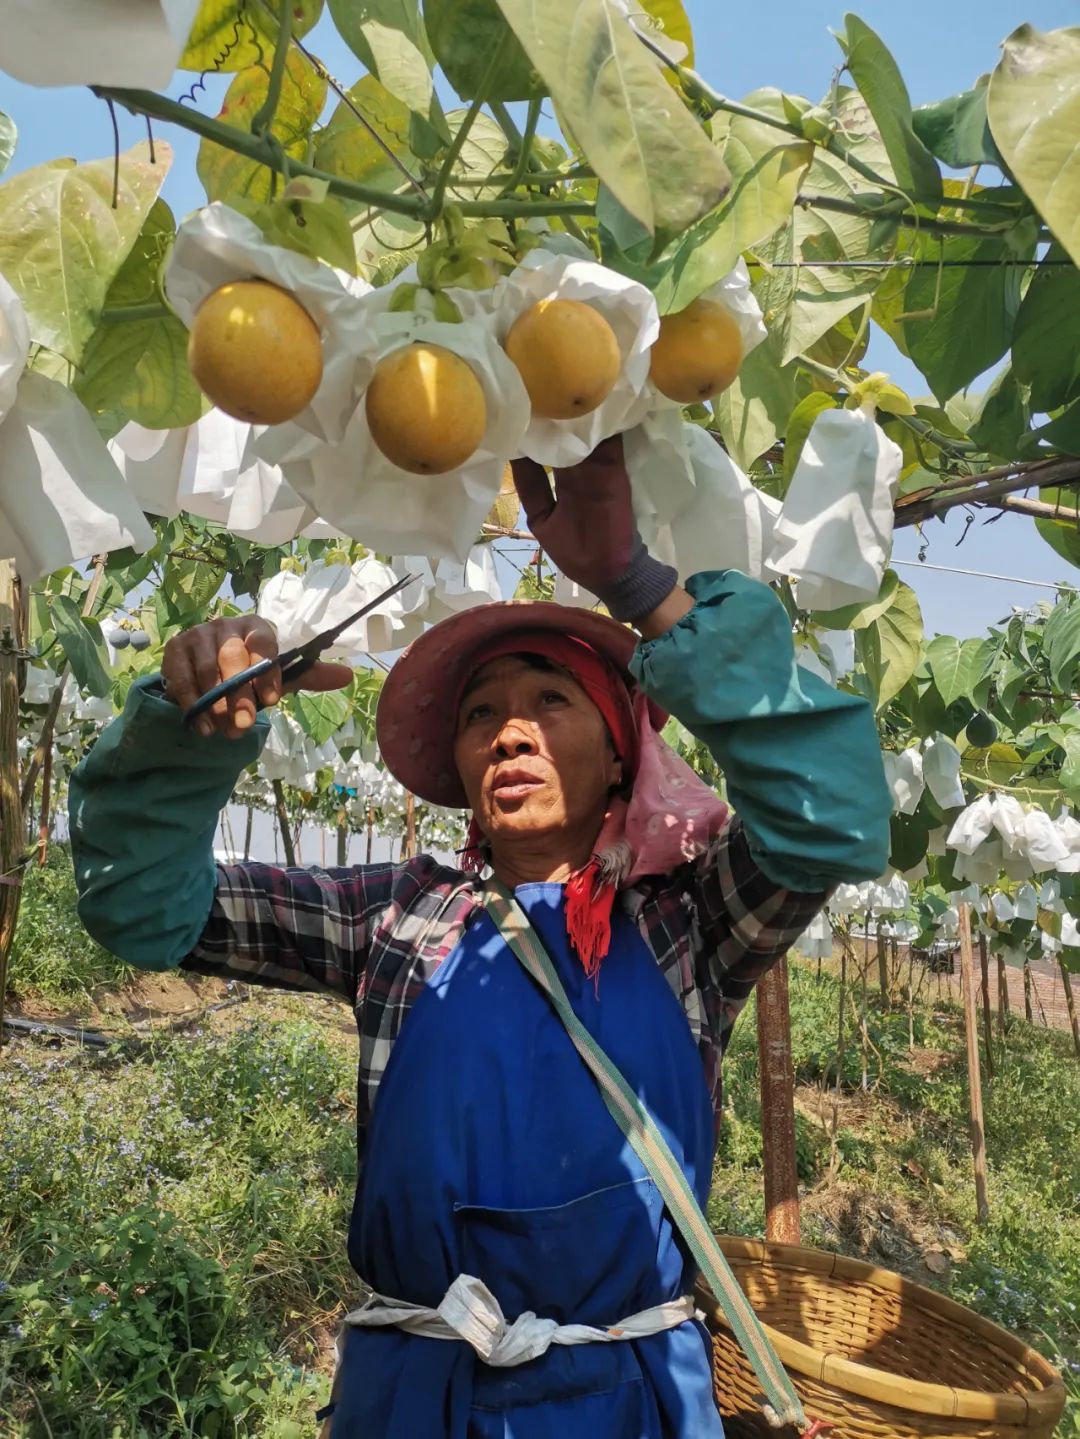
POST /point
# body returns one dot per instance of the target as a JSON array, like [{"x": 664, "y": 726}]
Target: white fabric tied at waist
[{"x": 470, "y": 1311}]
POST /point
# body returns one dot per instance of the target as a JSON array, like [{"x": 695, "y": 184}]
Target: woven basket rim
[{"x": 1024, "y": 1410}]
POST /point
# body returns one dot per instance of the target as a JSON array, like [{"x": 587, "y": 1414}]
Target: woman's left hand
[{"x": 588, "y": 529}]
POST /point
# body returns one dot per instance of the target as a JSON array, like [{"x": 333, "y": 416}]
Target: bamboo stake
[
  {"x": 37, "y": 759},
  {"x": 883, "y": 967},
  {"x": 342, "y": 840},
  {"x": 777, "y": 1079},
  {"x": 410, "y": 827},
  {"x": 45, "y": 818},
  {"x": 283, "y": 824},
  {"x": 12, "y": 827},
  {"x": 971, "y": 1034},
  {"x": 1070, "y": 1003},
  {"x": 370, "y": 831},
  {"x": 864, "y": 1033},
  {"x": 247, "y": 832},
  {"x": 1004, "y": 1011},
  {"x": 839, "y": 1059},
  {"x": 984, "y": 966},
  {"x": 1028, "y": 1013}
]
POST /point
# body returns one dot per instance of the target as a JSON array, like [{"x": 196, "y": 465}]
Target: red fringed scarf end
[{"x": 589, "y": 899}]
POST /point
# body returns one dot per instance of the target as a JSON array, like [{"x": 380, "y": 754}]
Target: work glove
[{"x": 587, "y": 528}]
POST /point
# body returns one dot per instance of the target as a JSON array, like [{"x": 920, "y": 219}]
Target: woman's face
[{"x": 534, "y": 754}]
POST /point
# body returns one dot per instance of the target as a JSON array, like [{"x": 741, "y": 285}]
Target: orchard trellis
[{"x": 952, "y": 227}]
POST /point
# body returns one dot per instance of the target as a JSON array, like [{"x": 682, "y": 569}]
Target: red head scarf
[{"x": 671, "y": 814}]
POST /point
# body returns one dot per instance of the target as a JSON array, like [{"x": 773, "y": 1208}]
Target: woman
[{"x": 486, "y": 1148}]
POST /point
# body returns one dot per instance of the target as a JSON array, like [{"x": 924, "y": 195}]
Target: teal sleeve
[
  {"x": 801, "y": 760},
  {"x": 143, "y": 808}
]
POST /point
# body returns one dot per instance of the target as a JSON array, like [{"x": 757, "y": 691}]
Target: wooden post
[
  {"x": 864, "y": 1033},
  {"x": 971, "y": 1032},
  {"x": 45, "y": 818},
  {"x": 882, "y": 967},
  {"x": 1003, "y": 998},
  {"x": 283, "y": 824},
  {"x": 247, "y": 832},
  {"x": 833, "y": 1138},
  {"x": 1028, "y": 1012},
  {"x": 370, "y": 832},
  {"x": 1070, "y": 1003},
  {"x": 778, "y": 1107},
  {"x": 984, "y": 966},
  {"x": 410, "y": 827},
  {"x": 342, "y": 840},
  {"x": 12, "y": 829}
]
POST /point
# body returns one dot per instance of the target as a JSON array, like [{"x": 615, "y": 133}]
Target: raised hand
[
  {"x": 587, "y": 527},
  {"x": 197, "y": 659}
]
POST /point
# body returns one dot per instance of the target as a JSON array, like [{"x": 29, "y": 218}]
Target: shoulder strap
[{"x": 784, "y": 1406}]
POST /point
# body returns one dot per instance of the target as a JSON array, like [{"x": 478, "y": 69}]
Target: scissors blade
[{"x": 294, "y": 662}]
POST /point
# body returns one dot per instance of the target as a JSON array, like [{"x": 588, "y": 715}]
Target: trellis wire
[
  {"x": 912, "y": 264},
  {"x": 986, "y": 575}
]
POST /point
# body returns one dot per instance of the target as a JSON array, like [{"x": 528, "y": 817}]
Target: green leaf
[
  {"x": 909, "y": 836},
  {"x": 8, "y": 136},
  {"x": 956, "y": 666},
  {"x": 316, "y": 228},
  {"x": 899, "y": 632},
  {"x": 957, "y": 131},
  {"x": 230, "y": 35},
  {"x": 348, "y": 148},
  {"x": 799, "y": 426},
  {"x": 1062, "y": 535},
  {"x": 643, "y": 143},
  {"x": 1045, "y": 353},
  {"x": 321, "y": 715},
  {"x": 137, "y": 369},
  {"x": 1003, "y": 416},
  {"x": 1061, "y": 643},
  {"x": 389, "y": 38},
  {"x": 464, "y": 34},
  {"x": 226, "y": 175},
  {"x": 62, "y": 243},
  {"x": 753, "y": 411},
  {"x": 1069, "y": 774},
  {"x": 766, "y": 173},
  {"x": 882, "y": 86},
  {"x": 860, "y": 616},
  {"x": 189, "y": 586},
  {"x": 1034, "y": 110},
  {"x": 970, "y": 318},
  {"x": 669, "y": 22},
  {"x": 82, "y": 644},
  {"x": 619, "y": 228},
  {"x": 821, "y": 298},
  {"x": 1064, "y": 431},
  {"x": 997, "y": 765}
]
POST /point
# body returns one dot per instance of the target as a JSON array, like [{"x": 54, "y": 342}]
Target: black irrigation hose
[{"x": 96, "y": 1039}]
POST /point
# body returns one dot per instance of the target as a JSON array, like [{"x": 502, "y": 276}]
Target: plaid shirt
[{"x": 377, "y": 933}]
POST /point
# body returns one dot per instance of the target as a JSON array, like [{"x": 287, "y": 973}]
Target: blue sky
[{"x": 941, "y": 48}]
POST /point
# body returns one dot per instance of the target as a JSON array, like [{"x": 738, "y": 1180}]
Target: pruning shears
[{"x": 291, "y": 662}]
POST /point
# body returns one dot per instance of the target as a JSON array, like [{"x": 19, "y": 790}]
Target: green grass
[
  {"x": 53, "y": 956},
  {"x": 172, "y": 1236}
]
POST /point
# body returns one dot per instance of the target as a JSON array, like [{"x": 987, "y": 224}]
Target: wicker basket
[{"x": 875, "y": 1355}]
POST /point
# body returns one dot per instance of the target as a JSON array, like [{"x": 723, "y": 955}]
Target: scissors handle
[{"x": 234, "y": 682}]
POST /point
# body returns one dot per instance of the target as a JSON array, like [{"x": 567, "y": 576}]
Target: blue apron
[{"x": 491, "y": 1153}]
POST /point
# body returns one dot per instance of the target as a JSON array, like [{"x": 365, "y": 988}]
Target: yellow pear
[
  {"x": 426, "y": 409},
  {"x": 567, "y": 356},
  {"x": 697, "y": 353},
  {"x": 255, "y": 352}
]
